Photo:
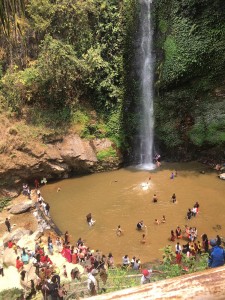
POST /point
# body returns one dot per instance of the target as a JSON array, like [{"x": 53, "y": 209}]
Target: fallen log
[{"x": 207, "y": 285}]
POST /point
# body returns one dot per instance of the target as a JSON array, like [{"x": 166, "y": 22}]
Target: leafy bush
[
  {"x": 106, "y": 154},
  {"x": 4, "y": 202},
  {"x": 198, "y": 134},
  {"x": 188, "y": 265},
  {"x": 13, "y": 294}
]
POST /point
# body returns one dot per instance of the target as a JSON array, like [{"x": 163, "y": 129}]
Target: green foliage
[
  {"x": 212, "y": 133},
  {"x": 114, "y": 127},
  {"x": 188, "y": 265},
  {"x": 13, "y": 294},
  {"x": 193, "y": 36},
  {"x": 189, "y": 69},
  {"x": 80, "y": 117},
  {"x": 49, "y": 118},
  {"x": 105, "y": 58},
  {"x": 170, "y": 48},
  {"x": 41, "y": 13},
  {"x": 60, "y": 71},
  {"x": 106, "y": 154},
  {"x": 170, "y": 134},
  {"x": 184, "y": 51},
  {"x": 198, "y": 134},
  {"x": 216, "y": 132},
  {"x": 4, "y": 202},
  {"x": 55, "y": 79},
  {"x": 118, "y": 279},
  {"x": 76, "y": 56},
  {"x": 163, "y": 26}
]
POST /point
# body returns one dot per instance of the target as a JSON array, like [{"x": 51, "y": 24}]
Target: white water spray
[{"x": 146, "y": 61}]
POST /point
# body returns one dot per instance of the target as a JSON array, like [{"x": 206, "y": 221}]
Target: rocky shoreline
[
  {"x": 54, "y": 159},
  {"x": 28, "y": 225}
]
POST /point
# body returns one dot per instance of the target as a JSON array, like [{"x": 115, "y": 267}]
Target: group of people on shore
[
  {"x": 134, "y": 263},
  {"x": 194, "y": 247},
  {"x": 48, "y": 278},
  {"x": 42, "y": 204}
]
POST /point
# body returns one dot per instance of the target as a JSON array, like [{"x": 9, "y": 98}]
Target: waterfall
[{"x": 146, "y": 70}]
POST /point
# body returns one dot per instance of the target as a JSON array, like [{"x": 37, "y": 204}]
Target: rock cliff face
[{"x": 59, "y": 158}]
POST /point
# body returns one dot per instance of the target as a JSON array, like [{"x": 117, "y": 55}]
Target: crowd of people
[{"x": 95, "y": 263}]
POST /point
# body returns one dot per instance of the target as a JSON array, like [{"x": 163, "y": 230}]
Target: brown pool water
[{"x": 117, "y": 198}]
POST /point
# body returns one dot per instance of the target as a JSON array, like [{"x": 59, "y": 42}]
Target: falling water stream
[{"x": 146, "y": 60}]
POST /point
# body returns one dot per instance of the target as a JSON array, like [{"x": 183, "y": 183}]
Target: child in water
[
  {"x": 157, "y": 222},
  {"x": 118, "y": 231},
  {"x": 163, "y": 219},
  {"x": 155, "y": 199},
  {"x": 140, "y": 225},
  {"x": 90, "y": 221},
  {"x": 174, "y": 198},
  {"x": 143, "y": 241}
]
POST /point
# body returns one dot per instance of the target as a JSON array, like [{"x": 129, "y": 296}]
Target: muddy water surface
[{"x": 117, "y": 198}]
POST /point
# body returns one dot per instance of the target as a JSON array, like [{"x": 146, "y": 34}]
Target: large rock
[
  {"x": 28, "y": 241},
  {"x": 9, "y": 257},
  {"x": 56, "y": 159},
  {"x": 102, "y": 144},
  {"x": 10, "y": 280},
  {"x": 21, "y": 207},
  {"x": 74, "y": 149},
  {"x": 15, "y": 235}
]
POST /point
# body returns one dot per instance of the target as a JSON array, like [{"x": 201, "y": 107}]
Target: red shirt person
[{"x": 19, "y": 264}]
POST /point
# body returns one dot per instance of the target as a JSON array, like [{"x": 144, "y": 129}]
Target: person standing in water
[
  {"x": 163, "y": 219},
  {"x": 143, "y": 240},
  {"x": 118, "y": 231},
  {"x": 90, "y": 221},
  {"x": 140, "y": 225},
  {"x": 154, "y": 198},
  {"x": 172, "y": 237},
  {"x": 157, "y": 222},
  {"x": 174, "y": 198}
]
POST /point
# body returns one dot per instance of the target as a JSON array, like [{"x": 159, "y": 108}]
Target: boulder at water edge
[
  {"x": 28, "y": 241},
  {"x": 21, "y": 207},
  {"x": 15, "y": 235},
  {"x": 9, "y": 257}
]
